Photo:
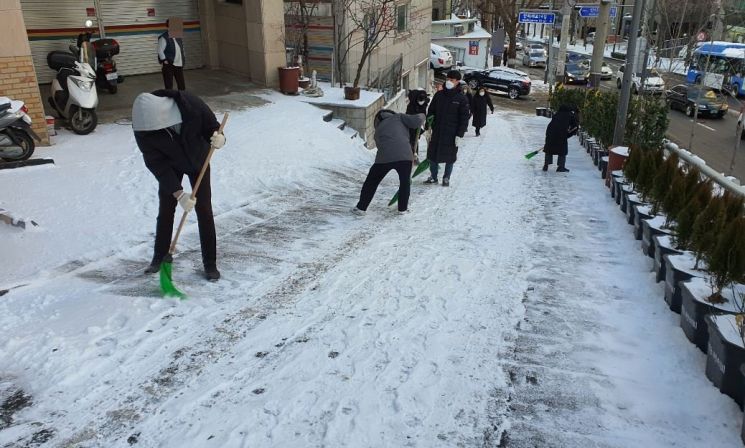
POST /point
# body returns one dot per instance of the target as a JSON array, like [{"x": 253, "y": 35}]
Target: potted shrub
[{"x": 726, "y": 266}]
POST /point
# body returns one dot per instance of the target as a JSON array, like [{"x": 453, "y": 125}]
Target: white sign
[{"x": 714, "y": 80}]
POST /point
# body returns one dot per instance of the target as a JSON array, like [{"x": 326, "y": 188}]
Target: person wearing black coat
[
  {"x": 451, "y": 112},
  {"x": 174, "y": 131},
  {"x": 418, "y": 101},
  {"x": 478, "y": 109},
  {"x": 563, "y": 125}
]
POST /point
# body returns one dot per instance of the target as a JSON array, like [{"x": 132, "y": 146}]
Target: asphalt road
[{"x": 713, "y": 139}]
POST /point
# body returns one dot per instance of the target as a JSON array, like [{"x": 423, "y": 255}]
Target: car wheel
[
  {"x": 721, "y": 115},
  {"x": 513, "y": 93},
  {"x": 618, "y": 83},
  {"x": 735, "y": 90},
  {"x": 473, "y": 84},
  {"x": 690, "y": 110}
]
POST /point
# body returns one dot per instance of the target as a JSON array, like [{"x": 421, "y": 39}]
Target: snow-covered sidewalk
[{"x": 511, "y": 309}]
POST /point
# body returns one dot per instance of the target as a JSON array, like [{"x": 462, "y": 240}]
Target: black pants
[
  {"x": 169, "y": 71},
  {"x": 550, "y": 159},
  {"x": 478, "y": 130},
  {"x": 376, "y": 175},
  {"x": 166, "y": 211}
]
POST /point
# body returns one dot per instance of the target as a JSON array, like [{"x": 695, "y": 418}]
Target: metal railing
[{"x": 728, "y": 183}]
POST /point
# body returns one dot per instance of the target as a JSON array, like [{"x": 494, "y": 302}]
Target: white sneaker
[{"x": 358, "y": 212}]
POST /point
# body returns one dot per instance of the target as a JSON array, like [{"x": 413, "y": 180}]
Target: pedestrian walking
[
  {"x": 562, "y": 126},
  {"x": 171, "y": 58},
  {"x": 418, "y": 101},
  {"x": 480, "y": 102},
  {"x": 394, "y": 153},
  {"x": 451, "y": 112},
  {"x": 174, "y": 131}
]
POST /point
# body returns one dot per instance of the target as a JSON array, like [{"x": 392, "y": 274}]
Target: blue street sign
[
  {"x": 594, "y": 11},
  {"x": 536, "y": 17}
]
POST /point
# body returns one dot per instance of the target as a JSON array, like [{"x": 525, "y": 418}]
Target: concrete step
[{"x": 339, "y": 123}]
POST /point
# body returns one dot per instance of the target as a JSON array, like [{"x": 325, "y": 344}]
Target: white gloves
[
  {"x": 186, "y": 202},
  {"x": 458, "y": 141},
  {"x": 217, "y": 140}
]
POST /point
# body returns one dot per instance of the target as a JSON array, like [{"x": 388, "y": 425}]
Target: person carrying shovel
[{"x": 174, "y": 131}]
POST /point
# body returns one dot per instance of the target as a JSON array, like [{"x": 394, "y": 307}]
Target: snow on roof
[{"x": 477, "y": 33}]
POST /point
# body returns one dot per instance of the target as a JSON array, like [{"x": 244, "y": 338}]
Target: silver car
[{"x": 534, "y": 58}]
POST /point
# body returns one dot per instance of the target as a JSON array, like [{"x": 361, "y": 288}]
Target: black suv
[{"x": 509, "y": 80}]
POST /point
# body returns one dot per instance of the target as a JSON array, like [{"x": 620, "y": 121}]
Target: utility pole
[
  {"x": 718, "y": 31},
  {"x": 566, "y": 10},
  {"x": 623, "y": 101},
  {"x": 598, "y": 47}
]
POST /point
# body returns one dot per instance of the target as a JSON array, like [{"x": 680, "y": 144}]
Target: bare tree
[
  {"x": 364, "y": 25},
  {"x": 506, "y": 11},
  {"x": 298, "y": 15}
]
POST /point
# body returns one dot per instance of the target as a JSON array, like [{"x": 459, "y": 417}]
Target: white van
[{"x": 440, "y": 57}]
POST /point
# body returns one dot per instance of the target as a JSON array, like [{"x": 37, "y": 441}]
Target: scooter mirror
[{"x": 89, "y": 23}]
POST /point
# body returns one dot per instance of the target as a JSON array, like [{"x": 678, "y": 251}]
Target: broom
[
  {"x": 532, "y": 154},
  {"x": 419, "y": 170},
  {"x": 166, "y": 266}
]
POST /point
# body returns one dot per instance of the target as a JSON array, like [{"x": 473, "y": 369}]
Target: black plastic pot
[
  {"x": 648, "y": 232},
  {"x": 723, "y": 360},
  {"x": 693, "y": 314},
  {"x": 662, "y": 247},
  {"x": 632, "y": 201},
  {"x": 602, "y": 154},
  {"x": 641, "y": 212},
  {"x": 626, "y": 190},
  {"x": 618, "y": 182},
  {"x": 674, "y": 277}
]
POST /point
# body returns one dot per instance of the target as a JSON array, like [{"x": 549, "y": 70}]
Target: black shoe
[
  {"x": 153, "y": 268},
  {"x": 562, "y": 170},
  {"x": 445, "y": 182},
  {"x": 477, "y": 133},
  {"x": 545, "y": 167},
  {"x": 211, "y": 273},
  {"x": 430, "y": 180}
]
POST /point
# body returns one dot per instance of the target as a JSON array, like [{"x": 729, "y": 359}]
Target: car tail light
[{"x": 442, "y": 61}]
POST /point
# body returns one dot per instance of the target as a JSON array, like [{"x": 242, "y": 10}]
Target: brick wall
[{"x": 19, "y": 82}]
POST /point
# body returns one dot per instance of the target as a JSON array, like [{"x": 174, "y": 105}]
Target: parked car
[
  {"x": 535, "y": 47},
  {"x": 534, "y": 58},
  {"x": 689, "y": 98},
  {"x": 440, "y": 57},
  {"x": 518, "y": 44},
  {"x": 605, "y": 71},
  {"x": 653, "y": 82},
  {"x": 514, "y": 82},
  {"x": 575, "y": 74}
]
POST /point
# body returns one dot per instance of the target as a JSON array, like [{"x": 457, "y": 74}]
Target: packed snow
[{"x": 512, "y": 309}]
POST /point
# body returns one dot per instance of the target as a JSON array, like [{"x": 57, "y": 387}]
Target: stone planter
[
  {"x": 641, "y": 212},
  {"x": 724, "y": 356},
  {"x": 695, "y": 306},
  {"x": 663, "y": 245},
  {"x": 650, "y": 228},
  {"x": 678, "y": 269}
]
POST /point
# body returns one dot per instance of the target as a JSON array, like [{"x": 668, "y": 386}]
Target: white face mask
[
  {"x": 421, "y": 103},
  {"x": 481, "y": 93},
  {"x": 449, "y": 85}
]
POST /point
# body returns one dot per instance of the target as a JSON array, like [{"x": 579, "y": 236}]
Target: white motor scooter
[{"x": 74, "y": 95}]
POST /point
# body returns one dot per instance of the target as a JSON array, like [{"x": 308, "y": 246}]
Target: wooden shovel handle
[{"x": 194, "y": 190}]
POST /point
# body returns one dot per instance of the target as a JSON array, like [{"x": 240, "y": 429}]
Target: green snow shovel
[
  {"x": 532, "y": 154},
  {"x": 166, "y": 266},
  {"x": 419, "y": 170}
]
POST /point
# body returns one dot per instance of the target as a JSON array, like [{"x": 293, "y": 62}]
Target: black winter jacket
[
  {"x": 451, "y": 111},
  {"x": 170, "y": 155},
  {"x": 478, "y": 109},
  {"x": 562, "y": 126}
]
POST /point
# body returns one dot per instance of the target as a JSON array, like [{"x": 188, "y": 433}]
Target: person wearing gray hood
[
  {"x": 394, "y": 153},
  {"x": 174, "y": 131}
]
